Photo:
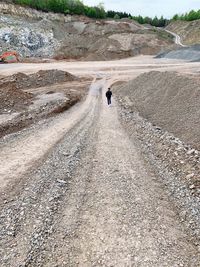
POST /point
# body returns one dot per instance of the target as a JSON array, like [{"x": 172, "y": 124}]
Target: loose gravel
[{"x": 93, "y": 201}]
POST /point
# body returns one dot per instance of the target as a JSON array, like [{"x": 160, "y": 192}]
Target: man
[{"x": 108, "y": 95}]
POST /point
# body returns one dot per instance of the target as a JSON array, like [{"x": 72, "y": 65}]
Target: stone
[
  {"x": 192, "y": 186},
  {"x": 191, "y": 151},
  {"x": 61, "y": 181},
  {"x": 191, "y": 175}
]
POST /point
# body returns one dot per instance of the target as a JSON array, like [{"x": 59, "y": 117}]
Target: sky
[{"x": 150, "y": 8}]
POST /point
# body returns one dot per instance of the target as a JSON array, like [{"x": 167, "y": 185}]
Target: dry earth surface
[{"x": 85, "y": 188}]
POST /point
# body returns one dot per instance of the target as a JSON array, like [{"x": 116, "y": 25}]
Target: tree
[
  {"x": 140, "y": 19},
  {"x": 175, "y": 17},
  {"x": 116, "y": 16},
  {"x": 192, "y": 15},
  {"x": 91, "y": 12}
]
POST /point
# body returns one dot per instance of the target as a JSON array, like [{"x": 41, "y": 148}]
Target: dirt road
[
  {"x": 75, "y": 191},
  {"x": 177, "y": 38},
  {"x": 124, "y": 68},
  {"x": 123, "y": 216}
]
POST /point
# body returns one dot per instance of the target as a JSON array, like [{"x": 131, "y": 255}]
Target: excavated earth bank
[{"x": 35, "y": 34}]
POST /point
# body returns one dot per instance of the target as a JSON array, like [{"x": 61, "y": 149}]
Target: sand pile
[{"x": 169, "y": 101}]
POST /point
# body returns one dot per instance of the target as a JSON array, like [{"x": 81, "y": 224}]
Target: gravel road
[{"x": 90, "y": 200}]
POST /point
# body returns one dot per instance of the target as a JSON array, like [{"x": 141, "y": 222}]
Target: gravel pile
[
  {"x": 191, "y": 53},
  {"x": 12, "y": 98},
  {"x": 161, "y": 110},
  {"x": 29, "y": 107},
  {"x": 177, "y": 164},
  {"x": 168, "y": 100}
]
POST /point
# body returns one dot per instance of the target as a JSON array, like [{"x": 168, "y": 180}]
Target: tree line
[
  {"x": 77, "y": 7},
  {"x": 190, "y": 16},
  {"x": 65, "y": 7}
]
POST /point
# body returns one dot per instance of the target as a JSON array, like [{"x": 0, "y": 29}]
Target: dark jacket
[{"x": 108, "y": 94}]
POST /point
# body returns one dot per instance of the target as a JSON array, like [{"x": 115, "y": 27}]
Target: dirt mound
[
  {"x": 46, "y": 77},
  {"x": 13, "y": 99},
  {"x": 39, "y": 79},
  {"x": 169, "y": 101}
]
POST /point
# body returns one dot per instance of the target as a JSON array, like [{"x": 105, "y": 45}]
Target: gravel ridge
[{"x": 177, "y": 164}]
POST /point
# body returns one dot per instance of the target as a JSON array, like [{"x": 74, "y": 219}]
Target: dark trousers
[{"x": 109, "y": 100}]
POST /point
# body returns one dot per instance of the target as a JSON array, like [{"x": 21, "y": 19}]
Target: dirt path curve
[
  {"x": 116, "y": 213},
  {"x": 177, "y": 38}
]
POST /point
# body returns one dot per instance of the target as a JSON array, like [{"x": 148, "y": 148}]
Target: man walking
[{"x": 108, "y": 95}]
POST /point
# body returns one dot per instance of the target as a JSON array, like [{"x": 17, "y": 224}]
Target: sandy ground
[
  {"x": 75, "y": 190},
  {"x": 123, "y": 68}
]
